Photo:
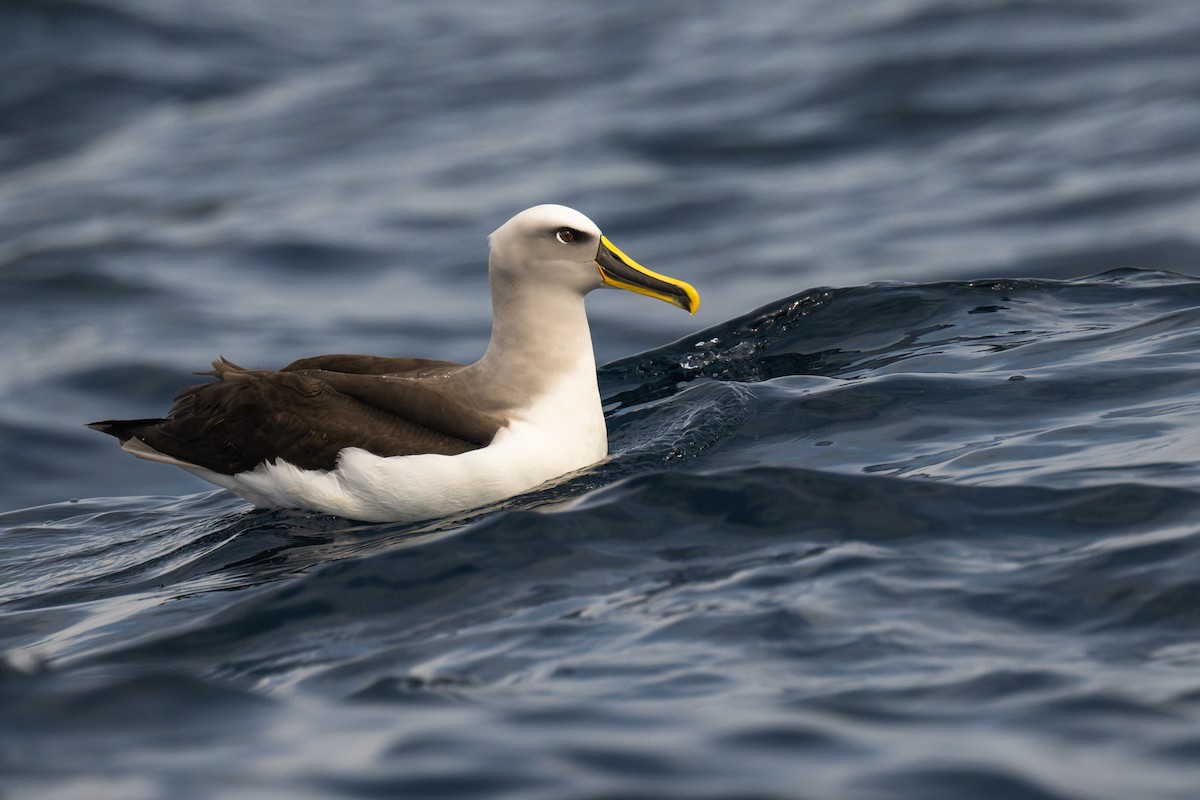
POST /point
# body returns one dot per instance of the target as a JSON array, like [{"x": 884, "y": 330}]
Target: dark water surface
[{"x": 932, "y": 533}]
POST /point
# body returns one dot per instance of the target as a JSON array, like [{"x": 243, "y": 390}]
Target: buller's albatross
[{"x": 403, "y": 439}]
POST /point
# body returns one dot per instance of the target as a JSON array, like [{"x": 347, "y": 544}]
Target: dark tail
[{"x": 124, "y": 429}]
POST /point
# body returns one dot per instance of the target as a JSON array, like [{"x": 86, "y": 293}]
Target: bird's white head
[{"x": 552, "y": 246}]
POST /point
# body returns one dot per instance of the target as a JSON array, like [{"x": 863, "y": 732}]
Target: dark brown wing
[
  {"x": 247, "y": 417},
  {"x": 395, "y": 385},
  {"x": 426, "y": 403},
  {"x": 372, "y": 365}
]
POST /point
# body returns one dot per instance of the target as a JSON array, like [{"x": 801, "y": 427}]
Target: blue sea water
[{"x": 925, "y": 523}]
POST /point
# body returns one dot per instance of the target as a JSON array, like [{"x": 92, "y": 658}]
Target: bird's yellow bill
[{"x": 622, "y": 272}]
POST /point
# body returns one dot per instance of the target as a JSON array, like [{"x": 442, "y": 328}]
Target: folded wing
[{"x": 309, "y": 412}]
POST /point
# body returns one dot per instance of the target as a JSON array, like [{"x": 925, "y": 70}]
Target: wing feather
[{"x": 300, "y": 415}]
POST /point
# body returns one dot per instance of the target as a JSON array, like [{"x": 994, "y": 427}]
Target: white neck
[{"x": 539, "y": 336}]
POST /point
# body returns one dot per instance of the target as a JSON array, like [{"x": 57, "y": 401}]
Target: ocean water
[{"x": 911, "y": 509}]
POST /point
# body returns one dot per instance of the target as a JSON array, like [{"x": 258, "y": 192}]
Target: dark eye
[{"x": 566, "y": 235}]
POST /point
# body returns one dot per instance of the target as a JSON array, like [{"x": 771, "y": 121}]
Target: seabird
[{"x": 402, "y": 439}]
